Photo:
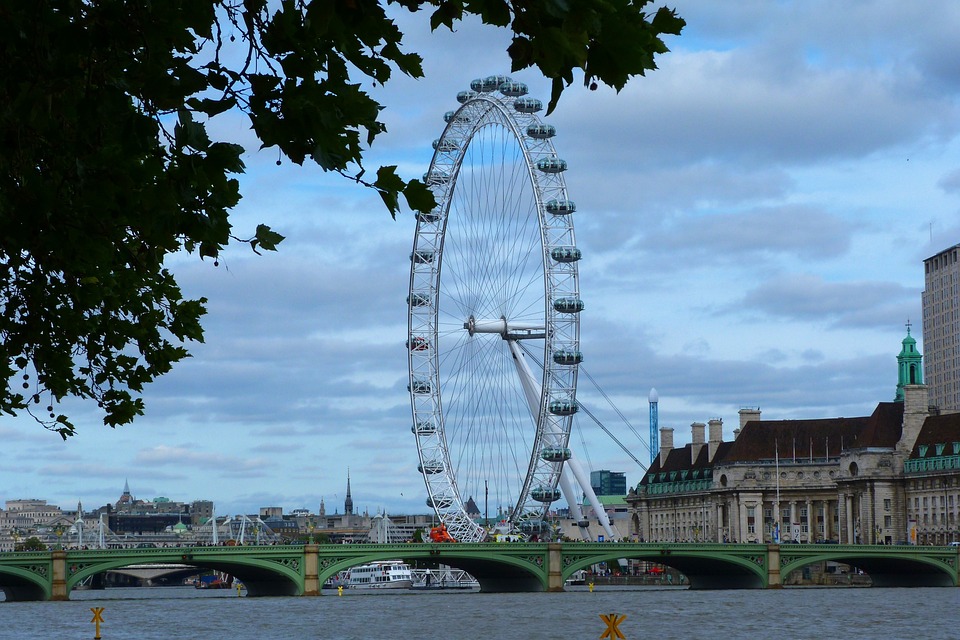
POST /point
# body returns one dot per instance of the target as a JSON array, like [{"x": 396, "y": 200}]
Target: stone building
[{"x": 886, "y": 478}]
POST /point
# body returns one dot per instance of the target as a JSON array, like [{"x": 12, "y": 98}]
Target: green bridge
[{"x": 301, "y": 570}]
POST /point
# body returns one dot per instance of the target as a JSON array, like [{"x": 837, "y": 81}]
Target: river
[{"x": 652, "y": 613}]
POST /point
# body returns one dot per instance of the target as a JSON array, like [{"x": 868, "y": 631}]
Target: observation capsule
[
  {"x": 439, "y": 503},
  {"x": 559, "y": 407},
  {"x": 561, "y": 207},
  {"x": 418, "y": 343},
  {"x": 583, "y": 524},
  {"x": 556, "y": 454},
  {"x": 451, "y": 116},
  {"x": 565, "y": 254},
  {"x": 541, "y": 131},
  {"x": 552, "y": 165},
  {"x": 419, "y": 386},
  {"x": 424, "y": 428},
  {"x": 567, "y": 357},
  {"x": 435, "y": 177},
  {"x": 421, "y": 257},
  {"x": 466, "y": 96},
  {"x": 534, "y": 527},
  {"x": 527, "y": 105},
  {"x": 568, "y": 305},
  {"x": 418, "y": 300},
  {"x": 445, "y": 145},
  {"x": 545, "y": 494},
  {"x": 513, "y": 89},
  {"x": 430, "y": 468},
  {"x": 428, "y": 216}
]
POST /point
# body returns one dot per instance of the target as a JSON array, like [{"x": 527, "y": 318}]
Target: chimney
[
  {"x": 666, "y": 444},
  {"x": 736, "y": 432},
  {"x": 915, "y": 412},
  {"x": 696, "y": 440},
  {"x": 747, "y": 414},
  {"x": 716, "y": 437}
]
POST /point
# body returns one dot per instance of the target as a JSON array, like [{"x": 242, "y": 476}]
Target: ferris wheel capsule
[
  {"x": 552, "y": 165},
  {"x": 527, "y": 105},
  {"x": 513, "y": 89},
  {"x": 565, "y": 254},
  {"x": 541, "y": 131},
  {"x": 561, "y": 207}
]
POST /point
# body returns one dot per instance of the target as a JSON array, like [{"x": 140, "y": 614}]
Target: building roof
[
  {"x": 938, "y": 430},
  {"x": 765, "y": 440}
]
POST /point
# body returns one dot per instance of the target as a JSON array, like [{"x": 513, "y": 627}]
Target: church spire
[
  {"x": 348, "y": 502},
  {"x": 909, "y": 365}
]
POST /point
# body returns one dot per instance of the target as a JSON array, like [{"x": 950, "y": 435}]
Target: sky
[{"x": 753, "y": 216}]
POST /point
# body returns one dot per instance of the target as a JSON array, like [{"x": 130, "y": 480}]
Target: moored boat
[{"x": 387, "y": 574}]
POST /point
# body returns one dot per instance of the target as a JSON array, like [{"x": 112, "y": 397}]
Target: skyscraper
[{"x": 941, "y": 328}]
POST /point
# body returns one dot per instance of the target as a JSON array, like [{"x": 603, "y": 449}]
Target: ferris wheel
[{"x": 493, "y": 322}]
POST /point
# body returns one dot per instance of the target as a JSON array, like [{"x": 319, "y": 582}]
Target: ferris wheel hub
[{"x": 506, "y": 330}]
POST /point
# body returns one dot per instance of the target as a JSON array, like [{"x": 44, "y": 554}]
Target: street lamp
[{"x": 59, "y": 530}]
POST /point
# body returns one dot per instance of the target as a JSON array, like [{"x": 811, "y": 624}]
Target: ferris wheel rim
[{"x": 494, "y": 106}]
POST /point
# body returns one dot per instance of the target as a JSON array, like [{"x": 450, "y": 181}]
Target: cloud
[{"x": 844, "y": 304}]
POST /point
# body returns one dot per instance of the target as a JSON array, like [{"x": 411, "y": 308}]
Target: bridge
[{"x": 301, "y": 570}]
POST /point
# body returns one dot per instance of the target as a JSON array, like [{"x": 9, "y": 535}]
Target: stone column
[
  {"x": 720, "y": 521},
  {"x": 554, "y": 567},
  {"x": 59, "y": 584},
  {"x": 849, "y": 509},
  {"x": 311, "y": 570},
  {"x": 811, "y": 521},
  {"x": 774, "y": 579},
  {"x": 742, "y": 521}
]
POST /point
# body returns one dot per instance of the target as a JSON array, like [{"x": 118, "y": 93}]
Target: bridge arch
[
  {"x": 264, "y": 571},
  {"x": 497, "y": 567},
  {"x": 705, "y": 566},
  {"x": 28, "y": 580},
  {"x": 886, "y": 566}
]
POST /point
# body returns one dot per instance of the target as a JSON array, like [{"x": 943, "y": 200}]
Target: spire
[
  {"x": 909, "y": 365},
  {"x": 348, "y": 502},
  {"x": 323, "y": 509}
]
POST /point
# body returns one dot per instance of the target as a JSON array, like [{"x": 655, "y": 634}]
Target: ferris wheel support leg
[
  {"x": 531, "y": 388},
  {"x": 584, "y": 483},
  {"x": 566, "y": 486}
]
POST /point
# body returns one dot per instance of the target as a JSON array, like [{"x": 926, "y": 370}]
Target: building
[
  {"x": 890, "y": 477},
  {"x": 608, "y": 483},
  {"x": 941, "y": 328}
]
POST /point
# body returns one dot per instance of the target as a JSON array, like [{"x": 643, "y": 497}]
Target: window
[
  {"x": 886, "y": 504},
  {"x": 888, "y": 522}
]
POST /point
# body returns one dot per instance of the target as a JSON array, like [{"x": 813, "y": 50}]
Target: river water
[{"x": 652, "y": 613}]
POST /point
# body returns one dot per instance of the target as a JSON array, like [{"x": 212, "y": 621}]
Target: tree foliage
[{"x": 107, "y": 166}]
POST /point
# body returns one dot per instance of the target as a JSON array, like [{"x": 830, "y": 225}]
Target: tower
[
  {"x": 348, "y": 501},
  {"x": 941, "y": 328},
  {"x": 654, "y": 399},
  {"x": 909, "y": 365}
]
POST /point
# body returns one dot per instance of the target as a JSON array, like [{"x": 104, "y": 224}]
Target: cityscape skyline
[{"x": 754, "y": 217}]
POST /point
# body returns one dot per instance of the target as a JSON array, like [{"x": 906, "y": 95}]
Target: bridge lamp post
[
  {"x": 59, "y": 530},
  {"x": 15, "y": 532},
  {"x": 310, "y": 528}
]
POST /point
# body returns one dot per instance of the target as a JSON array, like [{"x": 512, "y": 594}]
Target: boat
[
  {"x": 386, "y": 574},
  {"x": 443, "y": 577}
]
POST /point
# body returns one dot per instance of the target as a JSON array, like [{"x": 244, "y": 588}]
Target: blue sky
[{"x": 753, "y": 217}]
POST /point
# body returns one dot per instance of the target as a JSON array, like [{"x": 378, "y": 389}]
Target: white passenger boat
[{"x": 388, "y": 574}]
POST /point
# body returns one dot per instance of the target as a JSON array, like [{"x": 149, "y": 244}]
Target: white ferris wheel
[{"x": 493, "y": 329}]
